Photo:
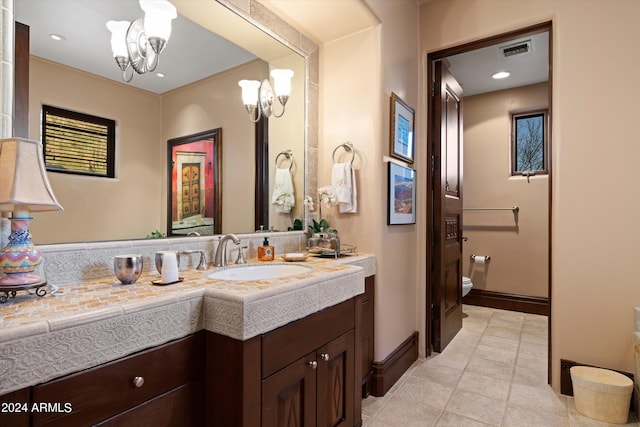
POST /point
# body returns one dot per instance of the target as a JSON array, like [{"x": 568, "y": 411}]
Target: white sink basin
[{"x": 259, "y": 271}]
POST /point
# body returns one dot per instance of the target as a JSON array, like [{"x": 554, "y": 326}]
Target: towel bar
[
  {"x": 288, "y": 154},
  {"x": 513, "y": 209},
  {"x": 347, "y": 146}
]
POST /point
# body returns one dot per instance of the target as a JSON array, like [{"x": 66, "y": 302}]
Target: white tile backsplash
[{"x": 70, "y": 263}]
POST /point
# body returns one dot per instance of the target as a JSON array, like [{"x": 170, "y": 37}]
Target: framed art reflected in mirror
[{"x": 194, "y": 202}]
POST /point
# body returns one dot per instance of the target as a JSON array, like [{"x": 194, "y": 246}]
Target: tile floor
[{"x": 493, "y": 373}]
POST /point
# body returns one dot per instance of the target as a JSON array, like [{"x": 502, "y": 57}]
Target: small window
[
  {"x": 78, "y": 143},
  {"x": 529, "y": 143}
]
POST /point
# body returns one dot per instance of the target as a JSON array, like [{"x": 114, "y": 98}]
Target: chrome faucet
[
  {"x": 202, "y": 264},
  {"x": 220, "y": 259}
]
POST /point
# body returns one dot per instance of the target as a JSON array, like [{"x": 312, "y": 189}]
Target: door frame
[{"x": 439, "y": 55}]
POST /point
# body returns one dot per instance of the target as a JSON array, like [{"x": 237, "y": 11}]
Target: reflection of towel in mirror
[
  {"x": 283, "y": 196},
  {"x": 343, "y": 179}
]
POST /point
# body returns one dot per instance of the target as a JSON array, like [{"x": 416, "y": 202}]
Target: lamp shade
[
  {"x": 24, "y": 185},
  {"x": 118, "y": 37},
  {"x": 158, "y": 15},
  {"x": 249, "y": 91},
  {"x": 282, "y": 81}
]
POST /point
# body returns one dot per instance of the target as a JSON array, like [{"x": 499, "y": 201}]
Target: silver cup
[
  {"x": 159, "y": 256},
  {"x": 128, "y": 268}
]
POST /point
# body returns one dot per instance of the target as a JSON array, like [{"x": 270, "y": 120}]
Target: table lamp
[{"x": 24, "y": 188}]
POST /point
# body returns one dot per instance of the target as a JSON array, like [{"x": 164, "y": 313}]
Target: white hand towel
[
  {"x": 283, "y": 196},
  {"x": 343, "y": 179}
]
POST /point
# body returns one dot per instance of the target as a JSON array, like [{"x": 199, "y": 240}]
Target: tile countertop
[{"x": 84, "y": 325}]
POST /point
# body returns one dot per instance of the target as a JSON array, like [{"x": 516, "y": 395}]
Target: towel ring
[
  {"x": 288, "y": 154},
  {"x": 347, "y": 146}
]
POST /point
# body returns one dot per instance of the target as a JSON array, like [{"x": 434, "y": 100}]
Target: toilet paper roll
[{"x": 478, "y": 259}]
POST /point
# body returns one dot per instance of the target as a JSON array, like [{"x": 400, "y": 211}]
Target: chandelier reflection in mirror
[
  {"x": 258, "y": 97},
  {"x": 137, "y": 45}
]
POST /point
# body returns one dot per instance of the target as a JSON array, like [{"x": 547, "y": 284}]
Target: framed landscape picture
[
  {"x": 401, "y": 195},
  {"x": 402, "y": 130}
]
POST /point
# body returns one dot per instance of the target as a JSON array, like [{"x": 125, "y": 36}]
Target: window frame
[
  {"x": 74, "y": 115},
  {"x": 544, "y": 112}
]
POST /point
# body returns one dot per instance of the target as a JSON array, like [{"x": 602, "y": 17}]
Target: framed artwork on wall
[
  {"x": 401, "y": 195},
  {"x": 402, "y": 130}
]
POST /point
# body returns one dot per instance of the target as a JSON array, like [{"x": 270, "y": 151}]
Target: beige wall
[
  {"x": 134, "y": 204},
  {"x": 518, "y": 244},
  {"x": 285, "y": 136},
  {"x": 105, "y": 209},
  {"x": 596, "y": 180},
  {"x": 357, "y": 75},
  {"x": 205, "y": 105}
]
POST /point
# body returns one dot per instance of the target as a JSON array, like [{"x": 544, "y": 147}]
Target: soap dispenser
[{"x": 265, "y": 252}]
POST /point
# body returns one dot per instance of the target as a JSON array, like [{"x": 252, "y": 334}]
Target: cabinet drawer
[
  {"x": 180, "y": 407},
  {"x": 102, "y": 392},
  {"x": 290, "y": 342}
]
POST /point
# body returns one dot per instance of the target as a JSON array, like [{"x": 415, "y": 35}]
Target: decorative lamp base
[
  {"x": 20, "y": 258},
  {"x": 18, "y": 279},
  {"x": 11, "y": 291}
]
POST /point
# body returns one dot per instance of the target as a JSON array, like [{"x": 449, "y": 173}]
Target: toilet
[{"x": 466, "y": 285}]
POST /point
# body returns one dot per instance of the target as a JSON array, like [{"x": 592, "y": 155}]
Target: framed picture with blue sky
[{"x": 402, "y": 141}]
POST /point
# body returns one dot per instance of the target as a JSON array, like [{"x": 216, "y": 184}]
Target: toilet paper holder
[{"x": 481, "y": 258}]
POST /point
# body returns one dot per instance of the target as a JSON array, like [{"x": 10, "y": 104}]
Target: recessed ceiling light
[
  {"x": 501, "y": 75},
  {"x": 160, "y": 74},
  {"x": 57, "y": 37}
]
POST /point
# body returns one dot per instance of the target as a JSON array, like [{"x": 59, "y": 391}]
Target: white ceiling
[
  {"x": 474, "y": 69},
  {"x": 192, "y": 52},
  {"x": 318, "y": 19}
]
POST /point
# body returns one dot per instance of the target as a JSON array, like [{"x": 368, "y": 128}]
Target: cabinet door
[
  {"x": 336, "y": 382},
  {"x": 289, "y": 395}
]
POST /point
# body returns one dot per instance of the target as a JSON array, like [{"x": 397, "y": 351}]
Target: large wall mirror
[{"x": 197, "y": 94}]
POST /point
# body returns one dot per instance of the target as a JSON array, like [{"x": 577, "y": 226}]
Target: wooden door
[
  {"x": 447, "y": 202},
  {"x": 336, "y": 382},
  {"x": 289, "y": 395},
  {"x": 190, "y": 189}
]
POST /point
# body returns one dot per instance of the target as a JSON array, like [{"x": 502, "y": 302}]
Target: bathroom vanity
[{"x": 205, "y": 352}]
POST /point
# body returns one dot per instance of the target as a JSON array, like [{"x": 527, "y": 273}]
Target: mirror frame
[{"x": 261, "y": 215}]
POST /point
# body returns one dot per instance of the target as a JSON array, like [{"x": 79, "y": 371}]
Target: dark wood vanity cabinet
[
  {"x": 316, "y": 389},
  {"x": 306, "y": 374},
  {"x": 311, "y": 372},
  {"x": 365, "y": 308},
  {"x": 160, "y": 386}
]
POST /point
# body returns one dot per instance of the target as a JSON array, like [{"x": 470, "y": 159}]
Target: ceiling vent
[{"x": 519, "y": 48}]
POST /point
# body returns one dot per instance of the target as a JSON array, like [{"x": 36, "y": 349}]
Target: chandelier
[
  {"x": 259, "y": 97},
  {"x": 137, "y": 45}
]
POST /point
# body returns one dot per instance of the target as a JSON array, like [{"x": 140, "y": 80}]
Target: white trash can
[{"x": 601, "y": 394}]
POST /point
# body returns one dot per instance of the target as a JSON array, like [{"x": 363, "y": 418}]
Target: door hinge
[
  {"x": 435, "y": 310},
  {"x": 435, "y": 238},
  {"x": 433, "y": 88},
  {"x": 435, "y": 163}
]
